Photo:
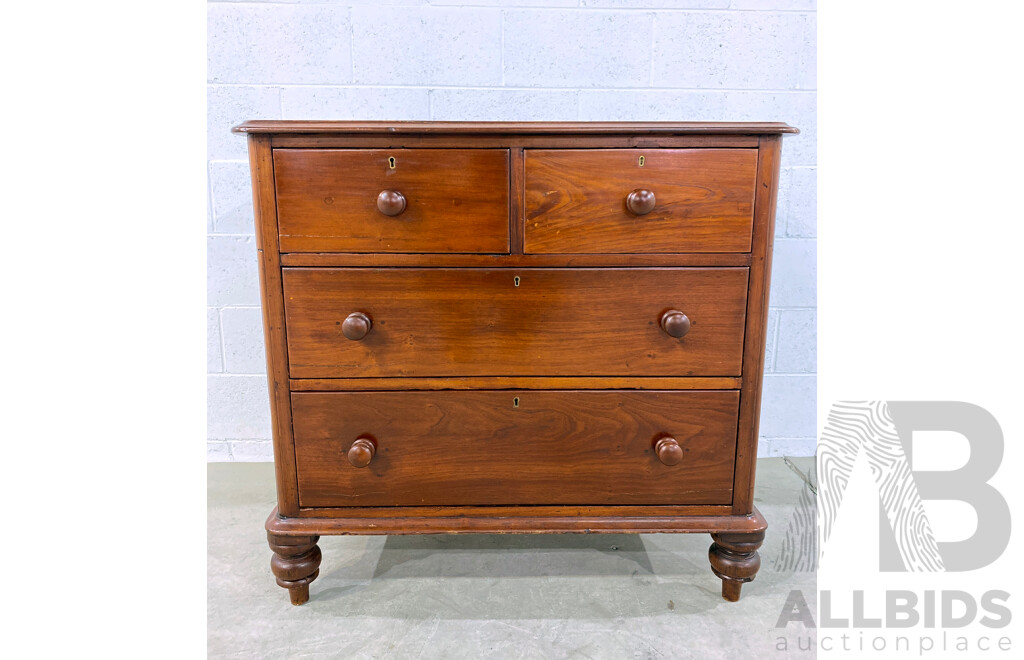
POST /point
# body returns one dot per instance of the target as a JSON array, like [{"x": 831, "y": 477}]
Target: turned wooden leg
[
  {"x": 734, "y": 558},
  {"x": 296, "y": 563}
]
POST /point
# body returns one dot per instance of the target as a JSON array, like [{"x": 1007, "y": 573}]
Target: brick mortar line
[
  {"x": 223, "y": 349},
  {"x": 654, "y": 36},
  {"x": 513, "y": 88},
  {"x": 570, "y": 8},
  {"x": 351, "y": 47}
]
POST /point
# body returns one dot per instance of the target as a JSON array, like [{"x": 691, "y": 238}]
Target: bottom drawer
[{"x": 519, "y": 447}]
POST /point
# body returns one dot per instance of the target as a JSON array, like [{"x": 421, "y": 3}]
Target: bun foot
[
  {"x": 735, "y": 560},
  {"x": 296, "y": 563}
]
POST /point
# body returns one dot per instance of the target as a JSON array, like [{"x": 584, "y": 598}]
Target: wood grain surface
[
  {"x": 514, "y": 447},
  {"x": 468, "y": 328},
  {"x": 355, "y": 260},
  {"x": 457, "y": 200},
  {"x": 576, "y": 200},
  {"x": 519, "y": 520},
  {"x": 261, "y": 164},
  {"x": 768, "y": 163},
  {"x": 517, "y": 383},
  {"x": 547, "y": 128},
  {"x": 478, "y": 322}
]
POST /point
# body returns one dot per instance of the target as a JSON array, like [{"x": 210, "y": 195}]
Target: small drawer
[
  {"x": 392, "y": 200},
  {"x": 403, "y": 322},
  {"x": 514, "y": 447},
  {"x": 639, "y": 200}
]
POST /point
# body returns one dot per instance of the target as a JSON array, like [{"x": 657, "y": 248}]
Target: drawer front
[
  {"x": 687, "y": 200},
  {"x": 504, "y": 322},
  {"x": 514, "y": 447},
  {"x": 434, "y": 200}
]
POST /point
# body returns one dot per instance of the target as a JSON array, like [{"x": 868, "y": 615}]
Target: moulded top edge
[{"x": 513, "y": 128}]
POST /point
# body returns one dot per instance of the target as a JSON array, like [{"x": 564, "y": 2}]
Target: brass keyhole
[
  {"x": 391, "y": 162},
  {"x": 515, "y": 402},
  {"x": 641, "y": 161},
  {"x": 516, "y": 280}
]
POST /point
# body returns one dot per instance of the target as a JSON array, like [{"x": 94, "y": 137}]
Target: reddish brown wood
[
  {"x": 534, "y": 511},
  {"x": 668, "y": 450},
  {"x": 640, "y": 201},
  {"x": 757, "y": 322},
  {"x": 472, "y": 322},
  {"x": 521, "y": 520},
  {"x": 362, "y": 450},
  {"x": 517, "y": 203},
  {"x": 390, "y": 202},
  {"x": 296, "y": 563},
  {"x": 343, "y": 260},
  {"x": 734, "y": 558},
  {"x": 463, "y": 128},
  {"x": 265, "y": 209},
  {"x": 514, "y": 382},
  {"x": 675, "y": 323},
  {"x": 356, "y": 326},
  {"x": 500, "y": 141},
  {"x": 579, "y": 200},
  {"x": 448, "y": 318},
  {"x": 441, "y": 200},
  {"x": 514, "y": 448}
]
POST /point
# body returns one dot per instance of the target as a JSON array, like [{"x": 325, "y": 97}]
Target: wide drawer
[
  {"x": 514, "y": 447},
  {"x": 505, "y": 322},
  {"x": 639, "y": 200},
  {"x": 392, "y": 200}
]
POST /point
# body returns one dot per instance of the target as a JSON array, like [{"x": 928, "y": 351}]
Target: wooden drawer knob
[
  {"x": 675, "y": 323},
  {"x": 390, "y": 202},
  {"x": 640, "y": 201},
  {"x": 362, "y": 450},
  {"x": 668, "y": 450},
  {"x": 356, "y": 326}
]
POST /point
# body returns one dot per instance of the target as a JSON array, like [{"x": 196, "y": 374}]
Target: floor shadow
[{"x": 520, "y": 555}]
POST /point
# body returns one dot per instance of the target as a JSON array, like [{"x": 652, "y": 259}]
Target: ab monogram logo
[
  {"x": 881, "y": 434},
  {"x": 882, "y": 431}
]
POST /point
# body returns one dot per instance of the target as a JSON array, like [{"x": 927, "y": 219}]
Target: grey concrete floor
[{"x": 496, "y": 596}]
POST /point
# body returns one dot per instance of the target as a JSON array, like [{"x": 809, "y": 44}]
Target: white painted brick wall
[{"x": 728, "y": 60}]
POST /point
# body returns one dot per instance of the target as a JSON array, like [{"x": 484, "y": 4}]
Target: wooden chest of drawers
[{"x": 523, "y": 328}]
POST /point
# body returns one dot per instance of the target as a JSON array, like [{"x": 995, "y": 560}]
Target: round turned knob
[
  {"x": 390, "y": 202},
  {"x": 356, "y": 326},
  {"x": 668, "y": 450},
  {"x": 675, "y": 323},
  {"x": 362, "y": 450},
  {"x": 640, "y": 201}
]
